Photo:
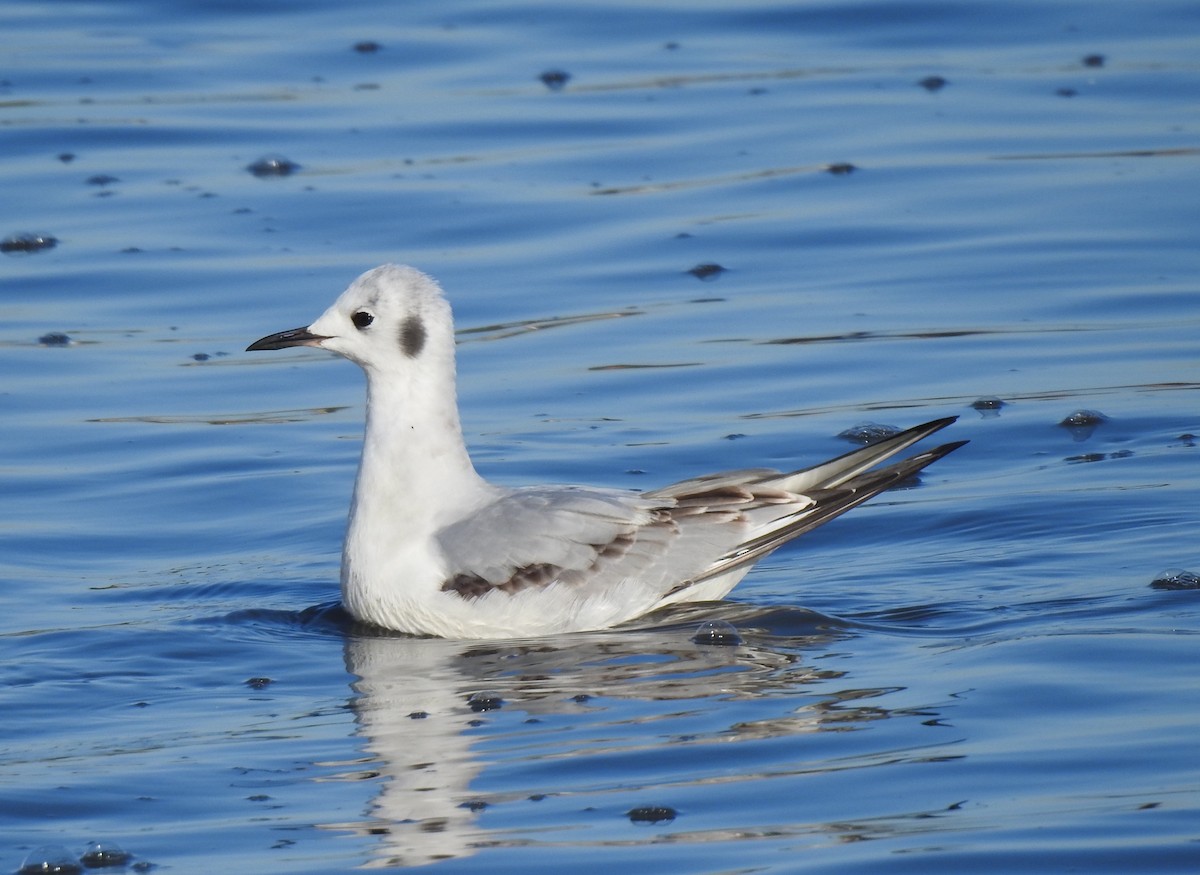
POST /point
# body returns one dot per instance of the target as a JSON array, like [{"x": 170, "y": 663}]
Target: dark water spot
[
  {"x": 933, "y": 83},
  {"x": 473, "y": 805},
  {"x": 1066, "y": 92},
  {"x": 200, "y": 357},
  {"x": 102, "y": 179},
  {"x": 868, "y": 432},
  {"x": 50, "y": 859},
  {"x": 1176, "y": 579},
  {"x": 1082, "y": 423},
  {"x": 581, "y": 698},
  {"x": 258, "y": 683},
  {"x": 55, "y": 338},
  {"x": 66, "y": 157},
  {"x": 555, "y": 79},
  {"x": 734, "y": 437},
  {"x": 485, "y": 701},
  {"x": 988, "y": 402},
  {"x": 418, "y": 715},
  {"x": 717, "y": 633},
  {"x": 651, "y": 814},
  {"x": 707, "y": 271},
  {"x": 841, "y": 169},
  {"x": 24, "y": 242},
  {"x": 273, "y": 165},
  {"x": 101, "y": 855},
  {"x": 1084, "y": 419},
  {"x": 1093, "y": 61},
  {"x": 367, "y": 47}
]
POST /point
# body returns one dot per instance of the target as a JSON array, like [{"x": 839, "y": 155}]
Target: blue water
[{"x": 972, "y": 674}]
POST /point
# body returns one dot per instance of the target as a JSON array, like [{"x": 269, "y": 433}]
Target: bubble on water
[
  {"x": 868, "y": 432},
  {"x": 1176, "y": 579},
  {"x": 50, "y": 859},
  {"x": 485, "y": 701},
  {"x": 717, "y": 633},
  {"x": 651, "y": 814},
  {"x": 273, "y": 165},
  {"x": 101, "y": 855}
]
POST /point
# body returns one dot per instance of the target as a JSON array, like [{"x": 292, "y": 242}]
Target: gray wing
[
  {"x": 591, "y": 538},
  {"x": 596, "y": 542}
]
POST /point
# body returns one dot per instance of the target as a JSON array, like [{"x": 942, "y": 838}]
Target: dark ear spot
[{"x": 412, "y": 336}]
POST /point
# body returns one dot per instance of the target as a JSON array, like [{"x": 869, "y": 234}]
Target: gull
[{"x": 433, "y": 549}]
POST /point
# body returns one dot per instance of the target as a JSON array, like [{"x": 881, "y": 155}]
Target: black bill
[{"x": 284, "y": 339}]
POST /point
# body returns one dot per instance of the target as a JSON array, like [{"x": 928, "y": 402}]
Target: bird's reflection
[{"x": 420, "y": 705}]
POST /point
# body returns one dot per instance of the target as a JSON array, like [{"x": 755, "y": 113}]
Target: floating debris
[
  {"x": 273, "y": 165},
  {"x": 485, "y": 701},
  {"x": 841, "y": 169},
  {"x": 933, "y": 83},
  {"x": 259, "y": 683},
  {"x": 651, "y": 814},
  {"x": 555, "y": 79},
  {"x": 66, "y": 157},
  {"x": 1176, "y": 579},
  {"x": 717, "y": 633},
  {"x": 55, "y": 338},
  {"x": 26, "y": 243},
  {"x": 868, "y": 433},
  {"x": 1093, "y": 61},
  {"x": 102, "y": 179},
  {"x": 367, "y": 47},
  {"x": 706, "y": 271}
]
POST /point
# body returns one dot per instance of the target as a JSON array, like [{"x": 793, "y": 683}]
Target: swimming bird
[{"x": 432, "y": 548}]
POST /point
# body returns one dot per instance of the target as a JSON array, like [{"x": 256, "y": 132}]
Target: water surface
[{"x": 971, "y": 674}]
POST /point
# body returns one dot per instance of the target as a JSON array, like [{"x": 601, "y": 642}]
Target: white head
[{"x": 389, "y": 319}]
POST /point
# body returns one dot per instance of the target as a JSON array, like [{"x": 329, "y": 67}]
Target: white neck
[{"x": 415, "y": 477}]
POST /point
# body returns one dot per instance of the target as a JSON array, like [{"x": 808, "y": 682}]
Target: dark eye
[{"x": 362, "y": 319}]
